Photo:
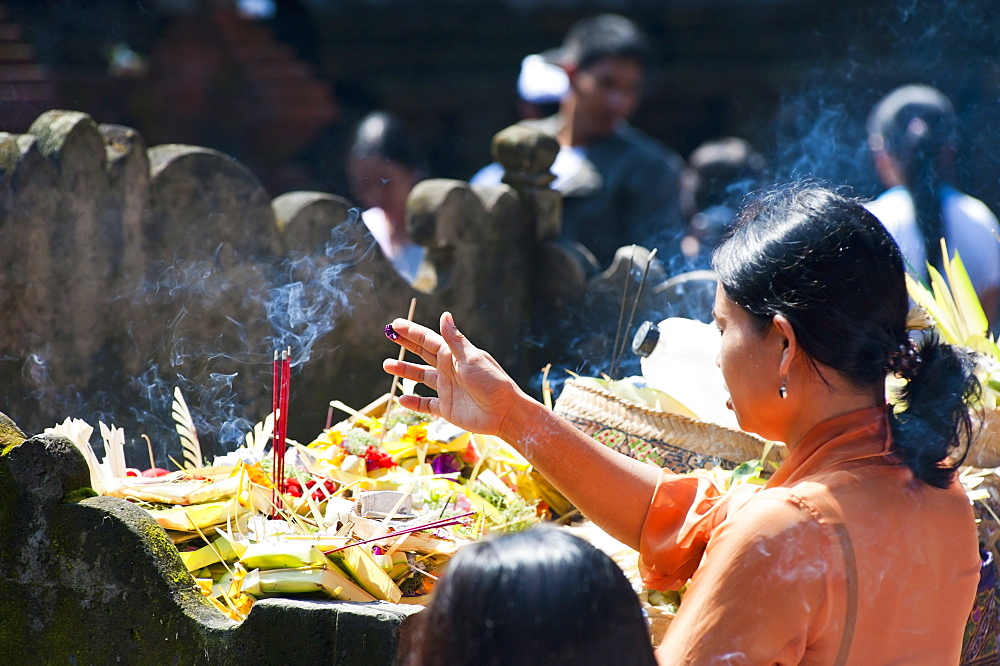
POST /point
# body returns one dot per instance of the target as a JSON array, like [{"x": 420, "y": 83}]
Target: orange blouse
[{"x": 843, "y": 557}]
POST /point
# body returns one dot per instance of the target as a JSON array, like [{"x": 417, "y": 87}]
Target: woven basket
[{"x": 667, "y": 440}]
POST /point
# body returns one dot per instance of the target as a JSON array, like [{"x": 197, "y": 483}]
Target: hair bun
[{"x": 905, "y": 360}]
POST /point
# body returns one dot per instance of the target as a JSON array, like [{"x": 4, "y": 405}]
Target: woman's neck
[{"x": 821, "y": 402}]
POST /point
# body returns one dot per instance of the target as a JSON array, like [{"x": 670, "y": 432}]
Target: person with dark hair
[
  {"x": 719, "y": 173},
  {"x": 912, "y": 134},
  {"x": 383, "y": 166},
  {"x": 862, "y": 546},
  {"x": 619, "y": 185},
  {"x": 542, "y": 596}
]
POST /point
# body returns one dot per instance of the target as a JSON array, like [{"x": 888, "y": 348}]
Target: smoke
[
  {"x": 215, "y": 408},
  {"x": 208, "y": 327},
  {"x": 818, "y": 130},
  {"x": 312, "y": 292}
]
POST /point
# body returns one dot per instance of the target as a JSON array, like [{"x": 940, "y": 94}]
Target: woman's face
[
  {"x": 380, "y": 183},
  {"x": 749, "y": 358}
]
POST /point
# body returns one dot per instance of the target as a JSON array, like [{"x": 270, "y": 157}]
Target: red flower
[
  {"x": 318, "y": 494},
  {"x": 292, "y": 487},
  {"x": 376, "y": 459}
]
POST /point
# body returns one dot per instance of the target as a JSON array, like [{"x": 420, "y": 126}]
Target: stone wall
[
  {"x": 128, "y": 270},
  {"x": 94, "y": 580}
]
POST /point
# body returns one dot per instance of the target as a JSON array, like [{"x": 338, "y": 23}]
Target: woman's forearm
[{"x": 610, "y": 488}]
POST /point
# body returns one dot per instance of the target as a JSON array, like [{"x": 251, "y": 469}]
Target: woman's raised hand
[{"x": 473, "y": 391}]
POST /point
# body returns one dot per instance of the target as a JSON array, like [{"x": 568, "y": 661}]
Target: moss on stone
[
  {"x": 78, "y": 495},
  {"x": 10, "y": 435}
]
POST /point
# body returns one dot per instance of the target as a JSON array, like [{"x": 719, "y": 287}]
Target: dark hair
[
  {"x": 828, "y": 265},
  {"x": 916, "y": 126},
  {"x": 605, "y": 35},
  {"x": 381, "y": 134},
  {"x": 542, "y": 596}
]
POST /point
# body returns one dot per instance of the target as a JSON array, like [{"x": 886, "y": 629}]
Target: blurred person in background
[
  {"x": 619, "y": 185},
  {"x": 542, "y": 596},
  {"x": 719, "y": 174},
  {"x": 912, "y": 135},
  {"x": 541, "y": 87},
  {"x": 383, "y": 166}
]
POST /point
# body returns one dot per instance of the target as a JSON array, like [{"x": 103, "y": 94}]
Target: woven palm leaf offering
[{"x": 371, "y": 510}]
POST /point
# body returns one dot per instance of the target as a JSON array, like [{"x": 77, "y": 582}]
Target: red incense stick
[
  {"x": 286, "y": 379},
  {"x": 275, "y": 401}
]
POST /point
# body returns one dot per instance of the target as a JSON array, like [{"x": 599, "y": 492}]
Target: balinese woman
[{"x": 862, "y": 547}]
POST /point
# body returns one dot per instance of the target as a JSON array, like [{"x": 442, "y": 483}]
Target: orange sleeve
[
  {"x": 685, "y": 510},
  {"x": 762, "y": 591}
]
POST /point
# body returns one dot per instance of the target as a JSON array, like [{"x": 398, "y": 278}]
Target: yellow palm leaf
[
  {"x": 943, "y": 319},
  {"x": 966, "y": 301}
]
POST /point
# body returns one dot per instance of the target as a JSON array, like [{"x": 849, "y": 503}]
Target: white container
[{"x": 678, "y": 358}]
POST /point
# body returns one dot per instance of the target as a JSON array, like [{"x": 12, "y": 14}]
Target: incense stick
[
  {"x": 631, "y": 316},
  {"x": 149, "y": 446},
  {"x": 281, "y": 377},
  {"x": 286, "y": 379},
  {"x": 395, "y": 378},
  {"x": 546, "y": 387},
  {"x": 621, "y": 310},
  {"x": 275, "y": 435},
  {"x": 453, "y": 520}
]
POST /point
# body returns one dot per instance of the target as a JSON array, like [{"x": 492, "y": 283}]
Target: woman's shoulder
[{"x": 778, "y": 511}]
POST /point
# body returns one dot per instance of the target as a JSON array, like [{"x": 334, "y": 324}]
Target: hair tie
[{"x": 905, "y": 361}]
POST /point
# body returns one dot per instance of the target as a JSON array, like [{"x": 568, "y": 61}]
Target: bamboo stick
[
  {"x": 395, "y": 378},
  {"x": 631, "y": 317},
  {"x": 621, "y": 309}
]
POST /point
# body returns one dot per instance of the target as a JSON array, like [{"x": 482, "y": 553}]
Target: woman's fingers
[
  {"x": 421, "y": 404},
  {"x": 424, "y": 374},
  {"x": 415, "y": 338}
]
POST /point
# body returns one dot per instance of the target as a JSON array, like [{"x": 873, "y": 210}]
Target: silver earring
[{"x": 783, "y": 392}]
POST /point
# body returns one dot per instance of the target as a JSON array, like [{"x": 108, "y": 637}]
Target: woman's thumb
[{"x": 457, "y": 343}]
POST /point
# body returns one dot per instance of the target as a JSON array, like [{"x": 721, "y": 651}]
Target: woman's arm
[{"x": 474, "y": 393}]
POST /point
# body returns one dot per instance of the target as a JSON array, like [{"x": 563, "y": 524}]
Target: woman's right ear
[{"x": 790, "y": 345}]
